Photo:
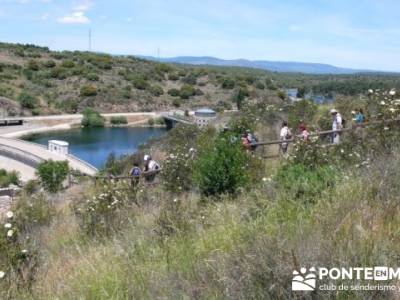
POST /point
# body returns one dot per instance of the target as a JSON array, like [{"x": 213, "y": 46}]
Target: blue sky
[{"x": 359, "y": 34}]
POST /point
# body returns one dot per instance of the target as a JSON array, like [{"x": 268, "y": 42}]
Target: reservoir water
[{"x": 94, "y": 145}]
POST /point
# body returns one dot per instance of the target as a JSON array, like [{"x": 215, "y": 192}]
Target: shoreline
[{"x": 37, "y": 125}]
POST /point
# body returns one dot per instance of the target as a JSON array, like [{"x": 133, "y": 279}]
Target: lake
[{"x": 94, "y": 145}]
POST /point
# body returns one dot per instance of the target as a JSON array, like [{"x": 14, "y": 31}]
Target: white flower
[
  {"x": 10, "y": 233},
  {"x": 386, "y": 128},
  {"x": 171, "y": 156},
  {"x": 175, "y": 200},
  {"x": 383, "y": 103},
  {"x": 7, "y": 225},
  {"x": 392, "y": 109},
  {"x": 392, "y": 93},
  {"x": 341, "y": 151},
  {"x": 264, "y": 179},
  {"x": 2, "y": 274},
  {"x": 370, "y": 91},
  {"x": 24, "y": 251},
  {"x": 10, "y": 214}
]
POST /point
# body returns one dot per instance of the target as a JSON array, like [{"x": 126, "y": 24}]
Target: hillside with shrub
[
  {"x": 220, "y": 222},
  {"x": 35, "y": 80}
]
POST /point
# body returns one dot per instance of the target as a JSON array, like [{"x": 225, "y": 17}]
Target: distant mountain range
[{"x": 274, "y": 66}]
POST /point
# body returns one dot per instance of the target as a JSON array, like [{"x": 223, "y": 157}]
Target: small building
[
  {"x": 204, "y": 116},
  {"x": 59, "y": 147}
]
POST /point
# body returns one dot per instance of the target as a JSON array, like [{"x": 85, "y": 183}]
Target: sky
[{"x": 362, "y": 34}]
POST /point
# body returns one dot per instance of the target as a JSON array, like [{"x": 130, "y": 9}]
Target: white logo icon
[{"x": 304, "y": 281}]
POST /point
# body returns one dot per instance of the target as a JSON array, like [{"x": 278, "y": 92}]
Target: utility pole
[{"x": 90, "y": 39}]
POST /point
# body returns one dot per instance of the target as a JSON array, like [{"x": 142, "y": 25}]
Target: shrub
[
  {"x": 92, "y": 77},
  {"x": 187, "y": 91},
  {"x": 228, "y": 83},
  {"x": 33, "y": 65},
  {"x": 49, "y": 63},
  {"x": 176, "y": 102},
  {"x": 178, "y": 170},
  {"x": 52, "y": 174},
  {"x": 190, "y": 79},
  {"x": 151, "y": 122},
  {"x": 118, "y": 120},
  {"x": 88, "y": 91},
  {"x": 140, "y": 83},
  {"x": 27, "y": 100},
  {"x": 240, "y": 96},
  {"x": 156, "y": 90},
  {"x": 173, "y": 92},
  {"x": 68, "y": 64},
  {"x": 221, "y": 166},
  {"x": 59, "y": 73},
  {"x": 7, "y": 178},
  {"x": 92, "y": 118},
  {"x": 173, "y": 76}
]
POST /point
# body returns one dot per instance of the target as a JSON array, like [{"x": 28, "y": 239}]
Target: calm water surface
[{"x": 94, "y": 145}]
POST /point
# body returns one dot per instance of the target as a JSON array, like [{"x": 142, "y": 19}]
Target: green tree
[
  {"x": 88, "y": 90},
  {"x": 221, "y": 166},
  {"x": 52, "y": 174},
  {"x": 92, "y": 118}
]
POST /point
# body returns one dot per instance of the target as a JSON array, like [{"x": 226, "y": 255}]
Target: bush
[
  {"x": 92, "y": 118},
  {"x": 173, "y": 92},
  {"x": 33, "y": 65},
  {"x": 176, "y": 102},
  {"x": 52, "y": 174},
  {"x": 221, "y": 166},
  {"x": 88, "y": 91},
  {"x": 68, "y": 64},
  {"x": 228, "y": 83},
  {"x": 7, "y": 178},
  {"x": 27, "y": 100},
  {"x": 92, "y": 77},
  {"x": 187, "y": 91},
  {"x": 49, "y": 64},
  {"x": 190, "y": 79},
  {"x": 173, "y": 77},
  {"x": 156, "y": 90},
  {"x": 140, "y": 83},
  {"x": 151, "y": 122},
  {"x": 118, "y": 120}
]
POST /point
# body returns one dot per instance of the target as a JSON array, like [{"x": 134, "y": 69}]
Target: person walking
[
  {"x": 360, "y": 117},
  {"x": 337, "y": 124},
  {"x": 135, "y": 173},
  {"x": 151, "y": 167},
  {"x": 304, "y": 132},
  {"x": 285, "y": 135}
]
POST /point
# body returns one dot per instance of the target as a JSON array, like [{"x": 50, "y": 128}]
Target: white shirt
[
  {"x": 153, "y": 165},
  {"x": 337, "y": 122},
  {"x": 284, "y": 132}
]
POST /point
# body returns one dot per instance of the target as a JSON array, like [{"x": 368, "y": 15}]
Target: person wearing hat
[
  {"x": 151, "y": 166},
  {"x": 337, "y": 124}
]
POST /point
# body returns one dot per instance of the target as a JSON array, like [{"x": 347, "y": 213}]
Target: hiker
[
  {"x": 304, "y": 132},
  {"x": 151, "y": 167},
  {"x": 359, "y": 117},
  {"x": 285, "y": 135},
  {"x": 135, "y": 173},
  {"x": 245, "y": 141},
  {"x": 337, "y": 124},
  {"x": 251, "y": 139}
]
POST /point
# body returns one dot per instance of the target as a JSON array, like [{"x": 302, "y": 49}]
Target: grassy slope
[{"x": 245, "y": 248}]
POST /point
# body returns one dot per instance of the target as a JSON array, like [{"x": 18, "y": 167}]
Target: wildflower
[
  {"x": 24, "y": 251},
  {"x": 10, "y": 233},
  {"x": 341, "y": 151},
  {"x": 264, "y": 179},
  {"x": 392, "y": 93},
  {"x": 370, "y": 91},
  {"x": 7, "y": 225},
  {"x": 203, "y": 217},
  {"x": 10, "y": 214},
  {"x": 172, "y": 156},
  {"x": 392, "y": 109},
  {"x": 175, "y": 200},
  {"x": 2, "y": 274},
  {"x": 386, "y": 128},
  {"x": 383, "y": 103}
]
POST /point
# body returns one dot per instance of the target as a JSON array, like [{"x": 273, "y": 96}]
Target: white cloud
[{"x": 77, "y": 17}]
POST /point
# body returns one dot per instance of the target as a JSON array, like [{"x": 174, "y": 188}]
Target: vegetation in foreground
[{"x": 194, "y": 236}]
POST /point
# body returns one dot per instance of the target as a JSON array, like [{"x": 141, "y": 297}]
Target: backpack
[
  {"x": 343, "y": 122},
  {"x": 136, "y": 172},
  {"x": 288, "y": 135}
]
